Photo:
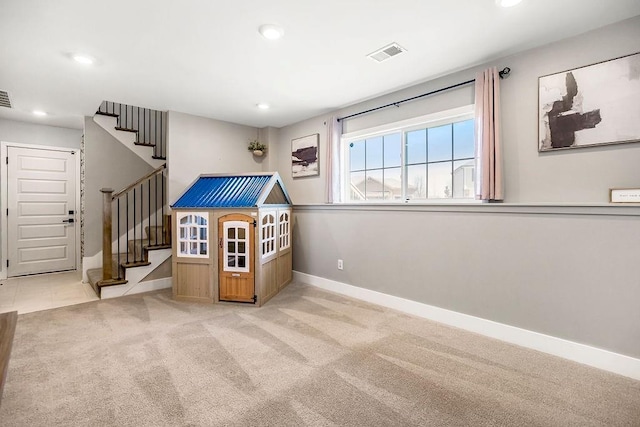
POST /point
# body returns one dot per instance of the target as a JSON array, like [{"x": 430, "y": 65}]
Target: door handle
[{"x": 70, "y": 220}]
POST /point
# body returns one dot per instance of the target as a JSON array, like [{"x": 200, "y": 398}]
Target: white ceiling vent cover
[
  {"x": 4, "y": 99},
  {"x": 387, "y": 52}
]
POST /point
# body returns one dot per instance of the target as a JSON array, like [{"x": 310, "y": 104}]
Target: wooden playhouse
[{"x": 232, "y": 239}]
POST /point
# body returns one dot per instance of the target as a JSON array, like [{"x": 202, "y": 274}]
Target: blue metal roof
[{"x": 223, "y": 192}]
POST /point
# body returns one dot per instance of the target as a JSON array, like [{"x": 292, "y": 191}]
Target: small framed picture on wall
[{"x": 304, "y": 156}]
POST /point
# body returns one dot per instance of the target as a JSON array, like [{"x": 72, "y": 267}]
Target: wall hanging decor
[
  {"x": 592, "y": 105},
  {"x": 624, "y": 195},
  {"x": 304, "y": 156}
]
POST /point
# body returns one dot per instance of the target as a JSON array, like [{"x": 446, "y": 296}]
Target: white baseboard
[{"x": 592, "y": 356}]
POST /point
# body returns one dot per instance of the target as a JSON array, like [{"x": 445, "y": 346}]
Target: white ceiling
[{"x": 206, "y": 57}]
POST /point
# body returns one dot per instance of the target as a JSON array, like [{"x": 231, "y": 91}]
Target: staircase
[
  {"x": 136, "y": 231},
  {"x": 146, "y": 126}
]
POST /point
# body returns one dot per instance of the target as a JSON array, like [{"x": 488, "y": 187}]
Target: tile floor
[{"x": 44, "y": 291}]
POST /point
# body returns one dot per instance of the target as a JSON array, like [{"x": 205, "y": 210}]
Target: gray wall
[
  {"x": 31, "y": 133},
  {"x": 570, "y": 274},
  {"x": 108, "y": 164},
  {"x": 574, "y": 176},
  {"x": 198, "y": 145}
]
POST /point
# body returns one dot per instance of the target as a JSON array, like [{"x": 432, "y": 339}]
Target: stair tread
[
  {"x": 147, "y": 247},
  {"x": 135, "y": 264},
  {"x": 157, "y": 247},
  {"x": 126, "y": 129},
  {"x": 144, "y": 144},
  {"x": 95, "y": 280},
  {"x": 159, "y": 157},
  {"x": 107, "y": 114},
  {"x": 112, "y": 282}
]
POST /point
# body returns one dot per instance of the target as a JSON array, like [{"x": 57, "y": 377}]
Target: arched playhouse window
[
  {"x": 267, "y": 234},
  {"x": 193, "y": 235}
]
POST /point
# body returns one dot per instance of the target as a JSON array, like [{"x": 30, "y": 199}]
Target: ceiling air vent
[
  {"x": 387, "y": 52},
  {"x": 4, "y": 99}
]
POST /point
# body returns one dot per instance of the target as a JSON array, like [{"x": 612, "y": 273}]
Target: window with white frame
[
  {"x": 268, "y": 234},
  {"x": 193, "y": 232},
  {"x": 236, "y": 255},
  {"x": 284, "y": 225},
  {"x": 431, "y": 157}
]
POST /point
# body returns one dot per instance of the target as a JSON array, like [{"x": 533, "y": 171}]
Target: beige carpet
[{"x": 308, "y": 357}]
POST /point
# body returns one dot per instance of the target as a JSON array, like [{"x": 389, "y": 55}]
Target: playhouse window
[
  {"x": 193, "y": 232},
  {"x": 283, "y": 228},
  {"x": 268, "y": 234},
  {"x": 236, "y": 249}
]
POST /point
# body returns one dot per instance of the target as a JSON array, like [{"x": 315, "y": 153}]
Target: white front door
[{"x": 41, "y": 201}]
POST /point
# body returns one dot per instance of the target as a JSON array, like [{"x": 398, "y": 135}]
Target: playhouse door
[{"x": 236, "y": 251}]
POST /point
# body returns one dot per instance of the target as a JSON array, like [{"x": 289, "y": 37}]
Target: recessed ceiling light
[
  {"x": 263, "y": 106},
  {"x": 39, "y": 113},
  {"x": 83, "y": 59},
  {"x": 507, "y": 3},
  {"x": 271, "y": 31}
]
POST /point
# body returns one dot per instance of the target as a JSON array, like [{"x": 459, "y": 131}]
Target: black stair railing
[
  {"x": 150, "y": 125},
  {"x": 139, "y": 220}
]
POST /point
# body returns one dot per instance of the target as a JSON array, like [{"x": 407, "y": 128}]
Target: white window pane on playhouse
[
  {"x": 242, "y": 261},
  {"x": 231, "y": 261},
  {"x": 241, "y": 233},
  {"x": 192, "y": 231},
  {"x": 242, "y": 248},
  {"x": 231, "y": 247},
  {"x": 203, "y": 248}
]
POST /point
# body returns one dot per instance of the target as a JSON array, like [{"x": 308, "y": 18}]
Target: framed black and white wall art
[
  {"x": 592, "y": 105},
  {"x": 304, "y": 156}
]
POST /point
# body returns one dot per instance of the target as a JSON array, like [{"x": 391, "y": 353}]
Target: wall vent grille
[
  {"x": 4, "y": 99},
  {"x": 387, "y": 52}
]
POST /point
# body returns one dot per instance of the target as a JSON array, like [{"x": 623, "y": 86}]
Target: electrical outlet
[{"x": 340, "y": 264}]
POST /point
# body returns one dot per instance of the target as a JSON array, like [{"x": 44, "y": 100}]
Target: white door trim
[{"x": 4, "y": 246}]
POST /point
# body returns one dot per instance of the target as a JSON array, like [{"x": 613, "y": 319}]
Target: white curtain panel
[
  {"x": 489, "y": 174},
  {"x": 334, "y": 133}
]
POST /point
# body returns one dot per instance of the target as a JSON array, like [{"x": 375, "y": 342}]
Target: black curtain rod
[{"x": 503, "y": 73}]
